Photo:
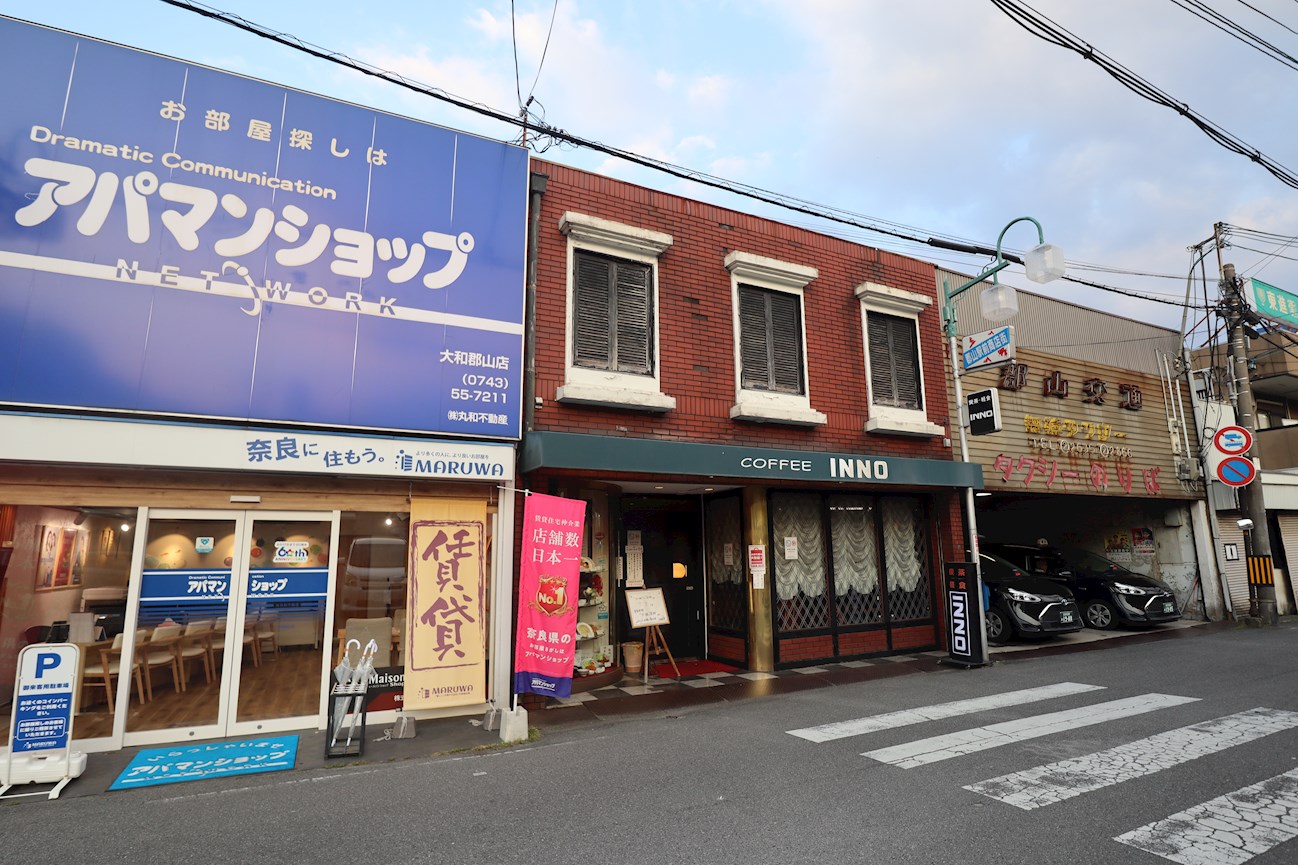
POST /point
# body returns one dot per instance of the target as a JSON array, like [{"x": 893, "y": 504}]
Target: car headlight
[
  {"x": 1124, "y": 589},
  {"x": 1023, "y": 597}
]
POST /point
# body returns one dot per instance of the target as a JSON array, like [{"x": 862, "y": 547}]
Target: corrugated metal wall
[
  {"x": 1236, "y": 571},
  {"x": 1061, "y": 328}
]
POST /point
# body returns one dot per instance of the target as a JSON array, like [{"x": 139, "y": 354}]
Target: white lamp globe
[
  {"x": 1044, "y": 262},
  {"x": 999, "y": 302}
]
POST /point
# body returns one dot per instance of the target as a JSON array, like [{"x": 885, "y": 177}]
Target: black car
[
  {"x": 1022, "y": 604},
  {"x": 1108, "y": 593}
]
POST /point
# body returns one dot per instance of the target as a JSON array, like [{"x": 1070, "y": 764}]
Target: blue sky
[{"x": 942, "y": 115}]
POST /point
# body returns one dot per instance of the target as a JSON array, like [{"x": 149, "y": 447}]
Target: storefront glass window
[
  {"x": 63, "y": 577},
  {"x": 728, "y": 599},
  {"x": 799, "y": 561},
  {"x": 853, "y": 533},
  {"x": 905, "y": 548}
]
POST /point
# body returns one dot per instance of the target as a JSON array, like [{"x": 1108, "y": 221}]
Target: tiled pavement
[{"x": 633, "y": 695}]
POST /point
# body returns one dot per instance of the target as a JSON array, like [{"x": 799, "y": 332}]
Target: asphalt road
[{"x": 729, "y": 783}]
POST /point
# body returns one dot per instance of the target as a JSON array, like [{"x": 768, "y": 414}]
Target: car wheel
[
  {"x": 1100, "y": 614},
  {"x": 999, "y": 629}
]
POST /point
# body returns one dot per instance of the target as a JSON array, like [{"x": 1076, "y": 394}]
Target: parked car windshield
[{"x": 1083, "y": 562}]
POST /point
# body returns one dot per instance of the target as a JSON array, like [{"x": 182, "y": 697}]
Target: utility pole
[{"x": 1251, "y": 504}]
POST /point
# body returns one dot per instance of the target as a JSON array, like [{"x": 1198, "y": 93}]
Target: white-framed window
[
  {"x": 894, "y": 360},
  {"x": 770, "y": 340},
  {"x": 612, "y": 339}
]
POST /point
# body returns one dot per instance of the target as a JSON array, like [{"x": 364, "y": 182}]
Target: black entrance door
[{"x": 669, "y": 532}]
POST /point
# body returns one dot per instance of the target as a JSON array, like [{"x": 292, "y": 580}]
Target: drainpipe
[{"x": 537, "y": 189}]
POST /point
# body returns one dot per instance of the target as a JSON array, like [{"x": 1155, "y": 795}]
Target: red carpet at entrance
[{"x": 689, "y": 668}]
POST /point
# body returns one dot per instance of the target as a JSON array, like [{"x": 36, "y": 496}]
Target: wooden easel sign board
[{"x": 646, "y": 607}]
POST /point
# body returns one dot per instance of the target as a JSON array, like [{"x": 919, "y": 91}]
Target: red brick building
[{"x": 711, "y": 381}]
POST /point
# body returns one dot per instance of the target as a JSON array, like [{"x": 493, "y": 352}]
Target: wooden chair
[
  {"x": 103, "y": 664},
  {"x": 250, "y": 647},
  {"x": 265, "y": 632},
  {"x": 196, "y": 645},
  {"x": 160, "y": 651}
]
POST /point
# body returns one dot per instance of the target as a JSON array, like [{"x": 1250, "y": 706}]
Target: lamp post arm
[{"x": 1041, "y": 235}]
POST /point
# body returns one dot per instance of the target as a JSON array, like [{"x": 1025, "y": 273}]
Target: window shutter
[
  {"x": 906, "y": 363},
  {"x": 634, "y": 318},
  {"x": 786, "y": 343},
  {"x": 881, "y": 384},
  {"x": 754, "y": 369},
  {"x": 591, "y": 341},
  {"x": 894, "y": 361}
]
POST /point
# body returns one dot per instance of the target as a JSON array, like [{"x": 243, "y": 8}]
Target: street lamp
[{"x": 1042, "y": 263}]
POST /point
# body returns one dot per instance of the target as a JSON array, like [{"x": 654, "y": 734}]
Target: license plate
[
  {"x": 1169, "y": 608},
  {"x": 1066, "y": 617}
]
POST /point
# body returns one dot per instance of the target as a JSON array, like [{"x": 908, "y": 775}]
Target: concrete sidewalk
[{"x": 467, "y": 734}]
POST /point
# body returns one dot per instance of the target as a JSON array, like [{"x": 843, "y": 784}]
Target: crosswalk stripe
[
  {"x": 906, "y": 717},
  {"x": 1055, "y": 782},
  {"x": 1228, "y": 830},
  {"x": 931, "y": 750}
]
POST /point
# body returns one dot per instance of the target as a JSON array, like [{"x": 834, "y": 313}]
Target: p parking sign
[{"x": 40, "y": 729}]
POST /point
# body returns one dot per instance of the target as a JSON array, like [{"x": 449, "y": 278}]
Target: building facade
[
  {"x": 257, "y": 401},
  {"x": 755, "y": 415},
  {"x": 1098, "y": 449}
]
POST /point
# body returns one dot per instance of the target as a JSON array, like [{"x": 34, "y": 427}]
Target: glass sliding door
[
  {"x": 177, "y": 669},
  {"x": 229, "y": 632},
  {"x": 283, "y": 640}
]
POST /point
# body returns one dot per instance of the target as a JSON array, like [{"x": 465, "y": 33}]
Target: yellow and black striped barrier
[{"x": 1259, "y": 571}]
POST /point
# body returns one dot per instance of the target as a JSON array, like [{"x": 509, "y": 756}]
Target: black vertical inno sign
[{"x": 964, "y": 619}]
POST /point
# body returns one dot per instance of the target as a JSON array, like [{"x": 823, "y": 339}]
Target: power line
[
  {"x": 1047, "y": 30},
  {"x": 1268, "y": 17},
  {"x": 786, "y": 202},
  {"x": 1231, "y": 28},
  {"x": 554, "y": 13}
]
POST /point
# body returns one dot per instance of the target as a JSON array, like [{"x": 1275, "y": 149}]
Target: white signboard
[
  {"x": 162, "y": 445},
  {"x": 791, "y": 549},
  {"x": 634, "y": 566},
  {"x": 989, "y": 348},
  {"x": 646, "y": 607}
]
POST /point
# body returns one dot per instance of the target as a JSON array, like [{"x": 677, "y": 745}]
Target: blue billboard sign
[{"x": 176, "y": 239}]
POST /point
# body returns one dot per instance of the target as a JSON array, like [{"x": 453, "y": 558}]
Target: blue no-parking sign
[{"x": 1236, "y": 471}]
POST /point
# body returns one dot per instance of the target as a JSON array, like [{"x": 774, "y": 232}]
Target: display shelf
[{"x": 611, "y": 676}]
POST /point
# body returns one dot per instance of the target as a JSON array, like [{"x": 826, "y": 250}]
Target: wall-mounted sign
[
  {"x": 204, "y": 544},
  {"x": 989, "y": 348},
  {"x": 984, "y": 407},
  {"x": 144, "y": 443},
  {"x": 1231, "y": 552},
  {"x": 243, "y": 250},
  {"x": 1232, "y": 440}
]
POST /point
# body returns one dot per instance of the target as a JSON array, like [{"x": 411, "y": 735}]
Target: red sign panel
[{"x": 1232, "y": 440}]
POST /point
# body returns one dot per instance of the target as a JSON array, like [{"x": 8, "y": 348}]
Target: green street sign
[{"x": 1274, "y": 303}]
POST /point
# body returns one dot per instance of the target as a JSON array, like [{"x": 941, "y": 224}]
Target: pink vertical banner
[{"x": 549, "y": 567}]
